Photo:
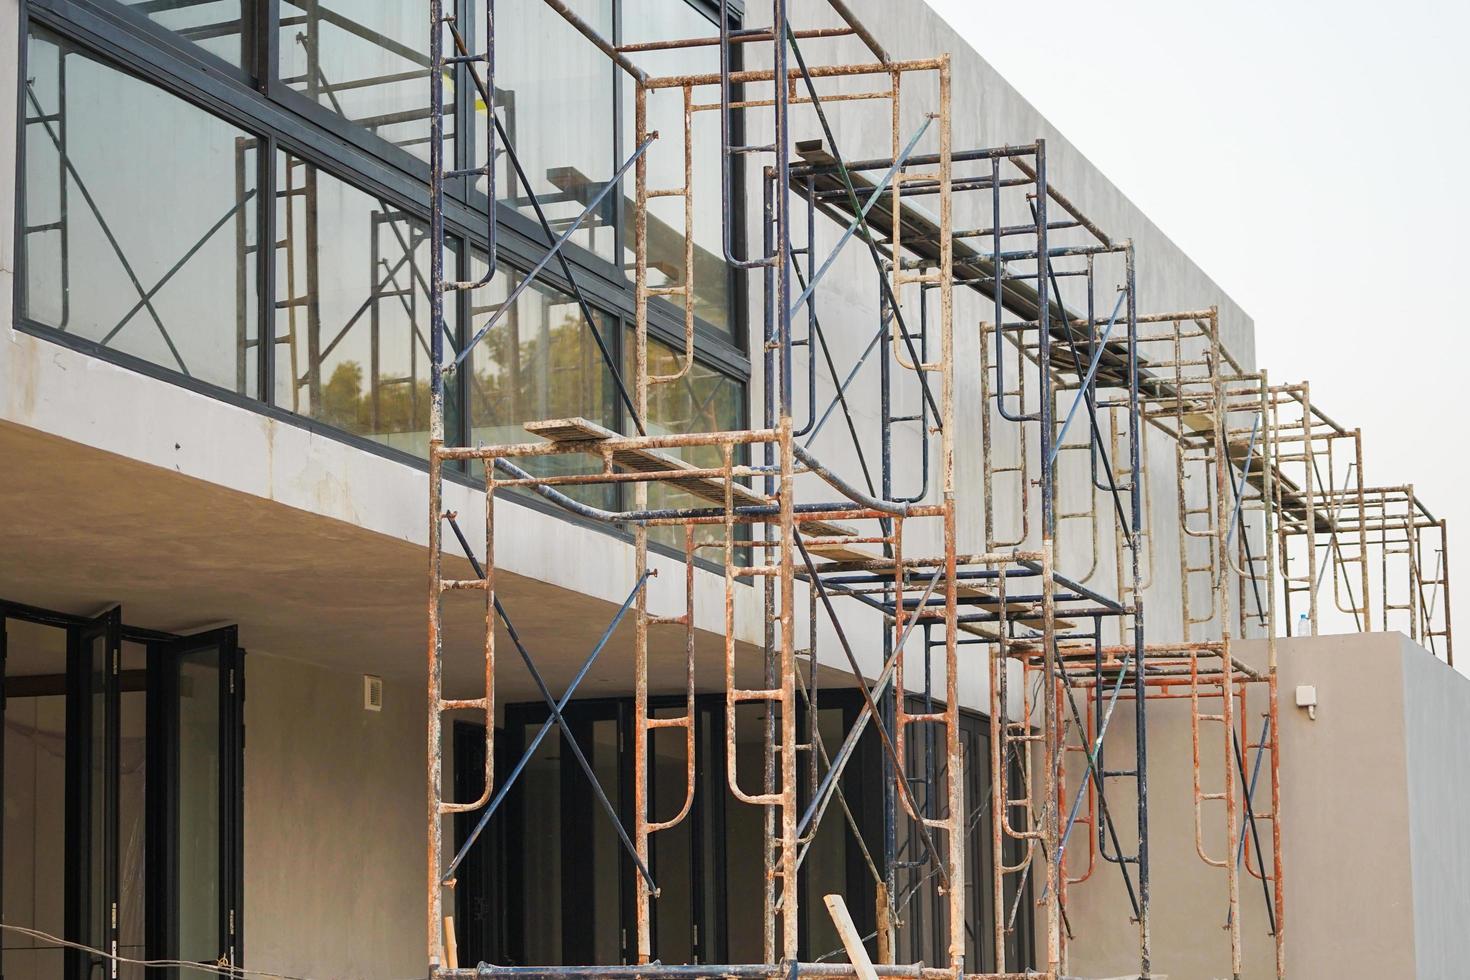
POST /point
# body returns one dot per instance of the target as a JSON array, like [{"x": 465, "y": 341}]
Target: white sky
[{"x": 1311, "y": 156}]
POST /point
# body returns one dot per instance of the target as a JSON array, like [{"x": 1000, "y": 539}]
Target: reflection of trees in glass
[
  {"x": 701, "y": 401},
  {"x": 552, "y": 376},
  {"x": 402, "y": 407},
  {"x": 539, "y": 363},
  {"x": 554, "y": 372}
]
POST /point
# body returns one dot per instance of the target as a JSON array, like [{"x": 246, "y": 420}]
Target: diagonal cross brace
[
  {"x": 554, "y": 250},
  {"x": 1096, "y": 775},
  {"x": 866, "y": 232},
  {"x": 1082, "y": 395},
  {"x": 1235, "y": 520},
  {"x": 1097, "y": 441},
  {"x": 823, "y": 796},
  {"x": 556, "y": 718},
  {"x": 841, "y": 396},
  {"x": 566, "y": 269},
  {"x": 555, "y": 714},
  {"x": 1250, "y": 813},
  {"x": 872, "y": 709},
  {"x": 860, "y": 219}
]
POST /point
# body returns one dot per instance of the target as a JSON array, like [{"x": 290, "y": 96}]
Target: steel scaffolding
[{"x": 1046, "y": 605}]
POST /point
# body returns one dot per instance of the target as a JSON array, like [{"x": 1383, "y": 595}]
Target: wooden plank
[
  {"x": 451, "y": 944},
  {"x": 852, "y": 940},
  {"x": 841, "y": 552},
  {"x": 707, "y": 488}
]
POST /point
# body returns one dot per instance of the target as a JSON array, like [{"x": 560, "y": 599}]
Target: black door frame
[
  {"x": 161, "y": 863},
  {"x": 79, "y": 901},
  {"x": 161, "y": 899}
]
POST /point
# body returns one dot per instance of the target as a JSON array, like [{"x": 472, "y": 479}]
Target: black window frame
[{"x": 255, "y": 100}]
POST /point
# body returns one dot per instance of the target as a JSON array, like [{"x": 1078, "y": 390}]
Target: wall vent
[{"x": 372, "y": 693}]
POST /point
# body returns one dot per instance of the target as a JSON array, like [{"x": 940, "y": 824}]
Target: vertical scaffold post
[
  {"x": 436, "y": 442},
  {"x": 1140, "y": 688}
]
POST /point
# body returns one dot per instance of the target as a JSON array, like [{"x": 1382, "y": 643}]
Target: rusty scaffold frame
[
  {"x": 1219, "y": 417},
  {"x": 1284, "y": 507},
  {"x": 785, "y": 534},
  {"x": 1070, "y": 375}
]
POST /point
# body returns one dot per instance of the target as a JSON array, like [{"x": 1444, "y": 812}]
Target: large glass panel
[
  {"x": 132, "y": 760},
  {"x": 921, "y": 935},
  {"x": 352, "y": 309},
  {"x": 980, "y": 908},
  {"x": 703, "y": 400},
  {"x": 709, "y": 795},
  {"x": 199, "y": 798},
  {"x": 826, "y": 865},
  {"x": 673, "y": 849},
  {"x": 140, "y": 219},
  {"x": 224, "y": 28},
  {"x": 546, "y": 71},
  {"x": 542, "y": 820},
  {"x": 666, "y": 21},
  {"x": 539, "y": 361},
  {"x": 484, "y": 916},
  {"x": 35, "y": 798},
  {"x": 607, "y": 849},
  {"x": 367, "y": 61},
  {"x": 744, "y": 836}
]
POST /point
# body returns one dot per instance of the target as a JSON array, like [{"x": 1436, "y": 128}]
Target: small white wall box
[
  {"x": 372, "y": 693},
  {"x": 1306, "y": 697}
]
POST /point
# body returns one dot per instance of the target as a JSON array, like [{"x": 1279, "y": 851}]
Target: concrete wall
[
  {"x": 1373, "y": 844},
  {"x": 1346, "y": 805},
  {"x": 334, "y": 801}
]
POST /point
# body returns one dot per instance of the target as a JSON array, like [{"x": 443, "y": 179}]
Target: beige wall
[
  {"x": 334, "y": 859},
  {"x": 1350, "y": 893},
  {"x": 1345, "y": 827}
]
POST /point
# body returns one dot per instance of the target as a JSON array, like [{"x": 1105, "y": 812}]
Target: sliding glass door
[
  {"x": 122, "y": 781},
  {"x": 195, "y": 688}
]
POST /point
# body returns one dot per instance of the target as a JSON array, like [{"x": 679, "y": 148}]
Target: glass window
[
  {"x": 825, "y": 871},
  {"x": 222, "y": 27},
  {"x": 132, "y": 781},
  {"x": 352, "y": 309},
  {"x": 672, "y": 849},
  {"x": 139, "y": 243},
  {"x": 35, "y": 780},
  {"x": 538, "y": 362},
  {"x": 367, "y": 61},
  {"x": 665, "y": 21},
  {"x": 702, "y": 401},
  {"x": 548, "y": 71},
  {"x": 541, "y": 813},
  {"x": 198, "y": 835},
  {"x": 744, "y": 837}
]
